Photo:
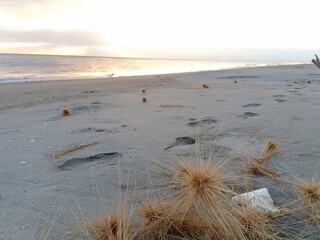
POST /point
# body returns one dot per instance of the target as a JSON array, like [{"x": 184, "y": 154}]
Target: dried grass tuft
[
  {"x": 270, "y": 148},
  {"x": 198, "y": 182},
  {"x": 144, "y": 100},
  {"x": 65, "y": 112},
  {"x": 255, "y": 224},
  {"x": 309, "y": 191},
  {"x": 205, "y": 86},
  {"x": 112, "y": 227},
  {"x": 61, "y": 152},
  {"x": 255, "y": 168}
]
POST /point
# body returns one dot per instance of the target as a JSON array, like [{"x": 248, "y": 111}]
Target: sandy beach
[{"x": 43, "y": 197}]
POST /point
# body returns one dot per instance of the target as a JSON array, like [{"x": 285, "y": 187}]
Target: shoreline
[
  {"x": 241, "y": 108},
  {"x": 110, "y": 75}
]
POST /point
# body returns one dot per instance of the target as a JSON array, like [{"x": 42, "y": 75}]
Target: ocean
[{"x": 25, "y": 67}]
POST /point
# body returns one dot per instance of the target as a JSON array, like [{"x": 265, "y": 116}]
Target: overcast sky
[{"x": 199, "y": 29}]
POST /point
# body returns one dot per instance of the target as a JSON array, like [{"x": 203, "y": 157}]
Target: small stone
[{"x": 23, "y": 163}]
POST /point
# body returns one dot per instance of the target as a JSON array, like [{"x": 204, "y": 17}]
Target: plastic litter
[
  {"x": 23, "y": 163},
  {"x": 259, "y": 199}
]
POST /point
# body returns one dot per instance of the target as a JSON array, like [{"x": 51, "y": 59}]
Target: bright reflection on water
[{"x": 17, "y": 68}]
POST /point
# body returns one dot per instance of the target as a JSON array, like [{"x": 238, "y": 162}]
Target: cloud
[{"x": 56, "y": 37}]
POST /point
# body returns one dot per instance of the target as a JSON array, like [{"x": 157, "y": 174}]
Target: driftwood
[{"x": 316, "y": 61}]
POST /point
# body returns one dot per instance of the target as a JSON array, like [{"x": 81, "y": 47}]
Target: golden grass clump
[
  {"x": 270, "y": 148},
  {"x": 309, "y": 191},
  {"x": 295, "y": 81},
  {"x": 255, "y": 224},
  {"x": 112, "y": 227},
  {"x": 205, "y": 86},
  {"x": 65, "y": 112},
  {"x": 156, "y": 224},
  {"x": 257, "y": 166},
  {"x": 61, "y": 152},
  {"x": 198, "y": 182},
  {"x": 144, "y": 100},
  {"x": 162, "y": 219}
]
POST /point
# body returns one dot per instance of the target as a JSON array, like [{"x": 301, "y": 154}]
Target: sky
[{"x": 190, "y": 29}]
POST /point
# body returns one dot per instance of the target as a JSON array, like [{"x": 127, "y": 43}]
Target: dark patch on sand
[
  {"x": 251, "y": 105},
  {"x": 86, "y": 108},
  {"x": 108, "y": 158},
  {"x": 239, "y": 76},
  {"x": 280, "y": 100},
  {"x": 90, "y": 91},
  {"x": 100, "y": 130},
  {"x": 201, "y": 122},
  {"x": 96, "y": 102},
  {"x": 92, "y": 129},
  {"x": 182, "y": 141},
  {"x": 249, "y": 115},
  {"x": 277, "y": 96},
  {"x": 221, "y": 100}
]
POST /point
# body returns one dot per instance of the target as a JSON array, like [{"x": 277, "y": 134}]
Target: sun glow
[{"x": 166, "y": 28}]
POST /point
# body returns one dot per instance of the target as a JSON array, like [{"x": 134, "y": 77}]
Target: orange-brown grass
[
  {"x": 65, "y": 112},
  {"x": 309, "y": 190},
  {"x": 198, "y": 182},
  {"x": 255, "y": 168},
  {"x": 309, "y": 196},
  {"x": 270, "y": 148},
  {"x": 255, "y": 225},
  {"x": 61, "y": 152},
  {"x": 155, "y": 225},
  {"x": 144, "y": 100},
  {"x": 162, "y": 219},
  {"x": 114, "y": 226},
  {"x": 295, "y": 81},
  {"x": 205, "y": 86},
  {"x": 200, "y": 188}
]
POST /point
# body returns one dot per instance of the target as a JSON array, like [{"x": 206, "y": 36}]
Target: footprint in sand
[
  {"x": 107, "y": 158},
  {"x": 278, "y": 96},
  {"x": 180, "y": 141},
  {"x": 201, "y": 122},
  {"x": 280, "y": 100},
  {"x": 249, "y": 115},
  {"x": 251, "y": 105}
]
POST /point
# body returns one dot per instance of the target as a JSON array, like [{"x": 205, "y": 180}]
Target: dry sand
[{"x": 42, "y": 198}]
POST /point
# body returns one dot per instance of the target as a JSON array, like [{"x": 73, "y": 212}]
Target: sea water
[{"x": 27, "y": 67}]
